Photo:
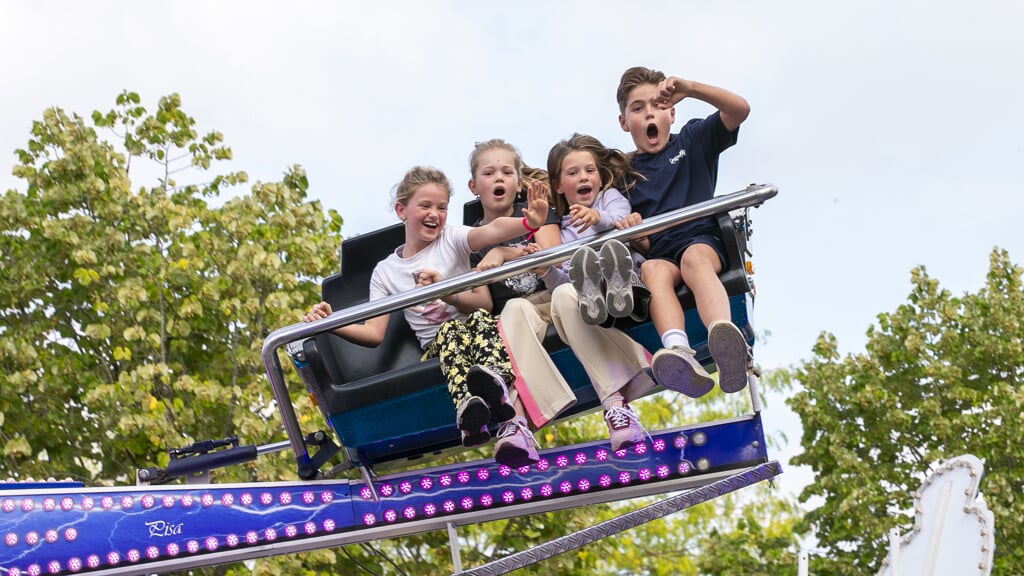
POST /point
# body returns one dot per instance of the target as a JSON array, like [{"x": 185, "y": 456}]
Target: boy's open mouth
[
  {"x": 499, "y": 191},
  {"x": 652, "y": 131}
]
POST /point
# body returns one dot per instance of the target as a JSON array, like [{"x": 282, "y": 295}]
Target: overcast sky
[{"x": 892, "y": 129}]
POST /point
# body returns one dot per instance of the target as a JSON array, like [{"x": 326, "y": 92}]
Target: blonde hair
[
  {"x": 419, "y": 176},
  {"x": 525, "y": 174},
  {"x": 494, "y": 144},
  {"x": 612, "y": 164},
  {"x": 632, "y": 78}
]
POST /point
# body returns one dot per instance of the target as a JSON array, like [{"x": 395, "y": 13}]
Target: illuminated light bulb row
[
  {"x": 507, "y": 497},
  {"x": 147, "y": 501},
  {"x": 193, "y": 546},
  {"x": 447, "y": 480}
]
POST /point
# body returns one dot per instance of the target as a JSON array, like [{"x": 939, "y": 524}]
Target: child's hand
[
  {"x": 641, "y": 244},
  {"x": 427, "y": 277},
  {"x": 536, "y": 210},
  {"x": 671, "y": 91},
  {"x": 317, "y": 312},
  {"x": 629, "y": 221},
  {"x": 583, "y": 217},
  {"x": 492, "y": 259},
  {"x": 533, "y": 248}
]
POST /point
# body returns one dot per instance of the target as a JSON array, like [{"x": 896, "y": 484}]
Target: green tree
[
  {"x": 941, "y": 376},
  {"x": 132, "y": 316}
]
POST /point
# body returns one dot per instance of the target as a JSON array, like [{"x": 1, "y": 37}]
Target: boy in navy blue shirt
[{"x": 681, "y": 170}]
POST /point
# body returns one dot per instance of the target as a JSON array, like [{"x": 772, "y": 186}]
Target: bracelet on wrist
[{"x": 526, "y": 224}]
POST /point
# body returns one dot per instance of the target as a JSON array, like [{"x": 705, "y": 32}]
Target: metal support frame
[
  {"x": 626, "y": 521},
  {"x": 453, "y": 543}
]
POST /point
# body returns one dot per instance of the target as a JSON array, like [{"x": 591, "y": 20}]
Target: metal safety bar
[{"x": 752, "y": 196}]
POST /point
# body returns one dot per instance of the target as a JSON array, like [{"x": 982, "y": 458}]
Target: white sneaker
[
  {"x": 617, "y": 269},
  {"x": 585, "y": 274},
  {"x": 731, "y": 354},
  {"x": 677, "y": 369}
]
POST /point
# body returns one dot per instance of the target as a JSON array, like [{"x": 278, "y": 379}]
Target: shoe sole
[
  {"x": 625, "y": 445},
  {"x": 616, "y": 266},
  {"x": 729, "y": 351},
  {"x": 514, "y": 456},
  {"x": 585, "y": 275},
  {"x": 482, "y": 384},
  {"x": 473, "y": 422},
  {"x": 675, "y": 373}
]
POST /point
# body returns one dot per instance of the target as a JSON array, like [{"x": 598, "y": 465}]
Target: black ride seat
[{"x": 386, "y": 405}]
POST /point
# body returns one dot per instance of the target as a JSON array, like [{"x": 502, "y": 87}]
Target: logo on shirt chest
[{"x": 675, "y": 159}]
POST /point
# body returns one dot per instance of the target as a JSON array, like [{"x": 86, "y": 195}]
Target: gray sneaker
[
  {"x": 731, "y": 354},
  {"x": 617, "y": 269},
  {"x": 585, "y": 274},
  {"x": 677, "y": 369}
]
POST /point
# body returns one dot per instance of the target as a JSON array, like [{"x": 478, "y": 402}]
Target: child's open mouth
[
  {"x": 499, "y": 191},
  {"x": 652, "y": 132}
]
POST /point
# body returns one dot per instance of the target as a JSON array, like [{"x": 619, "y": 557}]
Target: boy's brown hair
[{"x": 632, "y": 78}]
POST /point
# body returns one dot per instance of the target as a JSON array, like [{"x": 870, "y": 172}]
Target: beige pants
[{"x": 613, "y": 361}]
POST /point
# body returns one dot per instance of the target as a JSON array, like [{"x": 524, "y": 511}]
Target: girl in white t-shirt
[{"x": 457, "y": 328}]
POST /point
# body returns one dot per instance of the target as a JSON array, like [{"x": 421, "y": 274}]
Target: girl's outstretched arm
[
  {"x": 508, "y": 227},
  {"x": 369, "y": 334}
]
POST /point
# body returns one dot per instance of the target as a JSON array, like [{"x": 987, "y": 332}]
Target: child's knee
[
  {"x": 657, "y": 272},
  {"x": 514, "y": 308}
]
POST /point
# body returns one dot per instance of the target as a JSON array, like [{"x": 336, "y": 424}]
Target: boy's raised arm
[{"x": 733, "y": 108}]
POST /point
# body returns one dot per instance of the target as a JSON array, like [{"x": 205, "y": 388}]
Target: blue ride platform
[{"x": 145, "y": 529}]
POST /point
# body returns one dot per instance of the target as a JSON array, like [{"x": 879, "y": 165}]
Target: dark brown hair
[{"x": 612, "y": 164}]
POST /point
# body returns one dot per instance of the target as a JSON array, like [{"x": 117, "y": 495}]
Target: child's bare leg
[
  {"x": 699, "y": 268},
  {"x": 661, "y": 278},
  {"x": 674, "y": 366}
]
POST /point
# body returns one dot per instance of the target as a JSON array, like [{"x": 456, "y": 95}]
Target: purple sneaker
[
  {"x": 490, "y": 387},
  {"x": 676, "y": 369},
  {"x": 516, "y": 445},
  {"x": 624, "y": 428},
  {"x": 731, "y": 354}
]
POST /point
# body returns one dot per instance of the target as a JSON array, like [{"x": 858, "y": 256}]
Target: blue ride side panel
[
  {"x": 64, "y": 531},
  {"x": 566, "y": 472},
  {"x": 400, "y": 427},
  {"x": 67, "y": 530}
]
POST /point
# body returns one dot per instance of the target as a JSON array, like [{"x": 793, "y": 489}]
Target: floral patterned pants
[{"x": 462, "y": 344}]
